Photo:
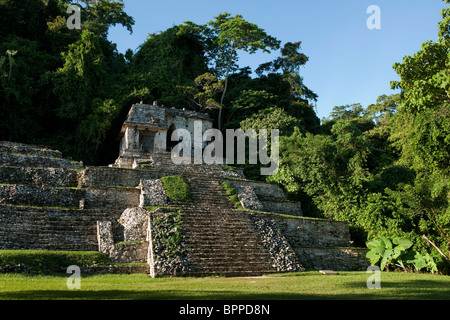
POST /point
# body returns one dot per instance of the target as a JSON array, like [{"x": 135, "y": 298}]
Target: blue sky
[{"x": 348, "y": 62}]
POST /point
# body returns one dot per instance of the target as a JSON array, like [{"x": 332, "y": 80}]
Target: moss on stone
[
  {"x": 176, "y": 188},
  {"x": 232, "y": 195}
]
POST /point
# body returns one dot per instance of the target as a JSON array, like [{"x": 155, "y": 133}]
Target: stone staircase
[{"x": 219, "y": 239}]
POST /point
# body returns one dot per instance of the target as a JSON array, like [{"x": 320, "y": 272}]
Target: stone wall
[
  {"x": 264, "y": 191},
  {"x": 248, "y": 198},
  {"x": 117, "y": 198},
  {"x": 314, "y": 232},
  {"x": 338, "y": 259},
  {"x": 283, "y": 257},
  {"x": 134, "y": 247},
  {"x": 318, "y": 244},
  {"x": 133, "y": 252},
  {"x": 40, "y": 177},
  {"x": 267, "y": 197},
  {"x": 135, "y": 224},
  {"x": 152, "y": 193},
  {"x": 112, "y": 176},
  {"x": 51, "y": 203},
  {"x": 34, "y": 161},
  {"x": 30, "y": 228},
  {"x": 167, "y": 252},
  {"x": 43, "y": 197},
  {"x": 27, "y": 149},
  {"x": 283, "y": 207}
]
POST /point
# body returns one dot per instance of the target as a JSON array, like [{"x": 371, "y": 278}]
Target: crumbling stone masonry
[{"x": 48, "y": 202}]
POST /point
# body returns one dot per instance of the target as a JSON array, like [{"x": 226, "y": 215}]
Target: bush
[
  {"x": 48, "y": 261},
  {"x": 177, "y": 189},
  {"x": 398, "y": 253}
]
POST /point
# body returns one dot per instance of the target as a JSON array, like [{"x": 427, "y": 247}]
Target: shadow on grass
[
  {"x": 151, "y": 295},
  {"x": 403, "y": 289},
  {"x": 417, "y": 289}
]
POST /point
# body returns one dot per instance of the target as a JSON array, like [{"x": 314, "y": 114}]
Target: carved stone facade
[{"x": 149, "y": 129}]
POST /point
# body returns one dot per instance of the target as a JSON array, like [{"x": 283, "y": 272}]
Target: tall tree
[
  {"x": 290, "y": 62},
  {"x": 169, "y": 59},
  {"x": 226, "y": 36}
]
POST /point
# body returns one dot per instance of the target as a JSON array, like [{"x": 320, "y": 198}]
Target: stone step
[
  {"x": 223, "y": 247},
  {"x": 30, "y": 150},
  {"x": 232, "y": 258},
  {"x": 243, "y": 271},
  {"x": 45, "y": 197},
  {"x": 33, "y": 161},
  {"x": 39, "y": 177}
]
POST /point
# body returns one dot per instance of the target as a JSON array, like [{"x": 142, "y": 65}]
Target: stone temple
[
  {"x": 128, "y": 210},
  {"x": 149, "y": 129}
]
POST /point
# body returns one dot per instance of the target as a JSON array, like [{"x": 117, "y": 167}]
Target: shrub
[
  {"x": 50, "y": 261},
  {"x": 177, "y": 189},
  {"x": 398, "y": 253}
]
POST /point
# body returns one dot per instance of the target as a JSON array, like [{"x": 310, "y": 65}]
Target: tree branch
[{"x": 437, "y": 248}]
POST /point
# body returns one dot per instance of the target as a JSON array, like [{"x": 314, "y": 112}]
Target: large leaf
[
  {"x": 419, "y": 261},
  {"x": 373, "y": 256},
  {"x": 386, "y": 243},
  {"x": 373, "y": 244},
  {"x": 387, "y": 256},
  {"x": 403, "y": 244},
  {"x": 397, "y": 252}
]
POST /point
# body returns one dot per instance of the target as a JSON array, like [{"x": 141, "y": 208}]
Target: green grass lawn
[{"x": 307, "y": 285}]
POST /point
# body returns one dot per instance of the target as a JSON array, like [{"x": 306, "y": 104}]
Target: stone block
[
  {"x": 135, "y": 223},
  {"x": 152, "y": 193},
  {"x": 248, "y": 198},
  {"x": 105, "y": 236}
]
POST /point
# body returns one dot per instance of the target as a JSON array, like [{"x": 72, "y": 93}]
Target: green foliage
[
  {"x": 51, "y": 261},
  {"x": 101, "y": 14},
  {"x": 50, "y": 93},
  {"x": 204, "y": 95},
  {"x": 397, "y": 252},
  {"x": 168, "y": 229},
  {"x": 169, "y": 59},
  {"x": 71, "y": 89},
  {"x": 272, "y": 118},
  {"x": 228, "y": 35},
  {"x": 384, "y": 168},
  {"x": 232, "y": 195},
  {"x": 384, "y": 108},
  {"x": 347, "y": 112},
  {"x": 177, "y": 189},
  {"x": 289, "y": 63}
]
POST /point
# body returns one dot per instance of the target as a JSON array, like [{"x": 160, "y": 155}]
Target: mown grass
[{"x": 301, "y": 286}]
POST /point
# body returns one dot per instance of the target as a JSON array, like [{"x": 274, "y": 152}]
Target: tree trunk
[{"x": 225, "y": 89}]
